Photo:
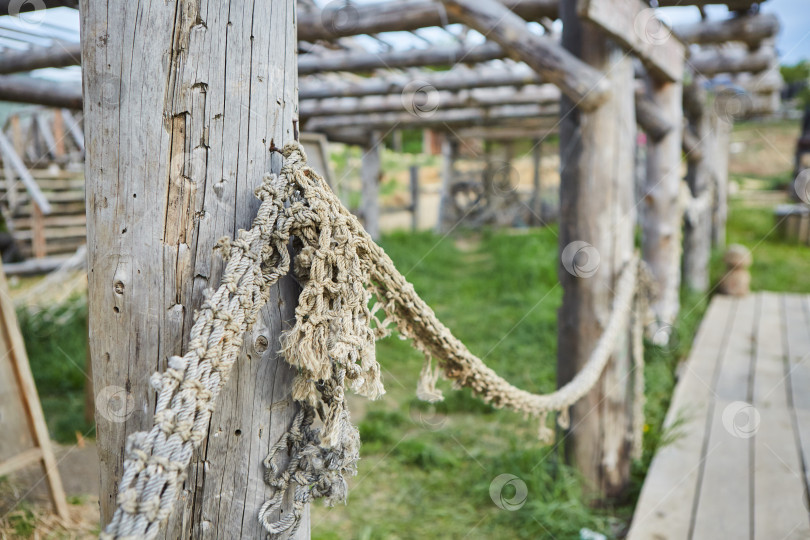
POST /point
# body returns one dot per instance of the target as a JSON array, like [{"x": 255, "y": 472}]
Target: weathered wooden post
[
  {"x": 536, "y": 202},
  {"x": 181, "y": 102},
  {"x": 723, "y": 124},
  {"x": 449, "y": 153},
  {"x": 662, "y": 216},
  {"x": 414, "y": 178},
  {"x": 370, "y": 176},
  {"x": 596, "y": 242},
  {"x": 698, "y": 223}
]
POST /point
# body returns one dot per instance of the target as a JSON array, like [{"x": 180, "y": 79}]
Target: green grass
[
  {"x": 426, "y": 469},
  {"x": 778, "y": 265},
  {"x": 57, "y": 351}
]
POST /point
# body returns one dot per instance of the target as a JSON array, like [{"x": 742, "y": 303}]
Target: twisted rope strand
[{"x": 332, "y": 344}]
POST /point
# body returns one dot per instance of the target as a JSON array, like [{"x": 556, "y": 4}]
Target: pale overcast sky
[{"x": 793, "y": 42}]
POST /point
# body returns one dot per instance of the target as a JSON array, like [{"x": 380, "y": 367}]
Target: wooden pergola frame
[{"x": 528, "y": 83}]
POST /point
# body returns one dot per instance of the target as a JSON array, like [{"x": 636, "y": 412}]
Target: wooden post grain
[
  {"x": 182, "y": 101},
  {"x": 596, "y": 243},
  {"x": 370, "y": 176},
  {"x": 662, "y": 216},
  {"x": 698, "y": 224},
  {"x": 449, "y": 153},
  {"x": 414, "y": 177}
]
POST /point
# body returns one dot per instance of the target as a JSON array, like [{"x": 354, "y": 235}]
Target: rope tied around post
[{"x": 332, "y": 344}]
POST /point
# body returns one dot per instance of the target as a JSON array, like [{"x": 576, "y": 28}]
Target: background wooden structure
[
  {"x": 614, "y": 70},
  {"x": 25, "y": 441}
]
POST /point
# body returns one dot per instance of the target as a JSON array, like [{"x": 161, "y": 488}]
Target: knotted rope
[{"x": 331, "y": 344}]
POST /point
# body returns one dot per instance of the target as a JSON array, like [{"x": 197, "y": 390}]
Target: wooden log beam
[
  {"x": 584, "y": 85},
  {"x": 651, "y": 118},
  {"x": 733, "y": 5},
  {"x": 633, "y": 24},
  {"x": 448, "y": 55},
  {"x": 480, "y": 116},
  {"x": 750, "y": 29},
  {"x": 174, "y": 153},
  {"x": 597, "y": 220},
  {"x": 691, "y": 145},
  {"x": 454, "y": 79},
  {"x": 21, "y": 89},
  {"x": 423, "y": 100},
  {"x": 661, "y": 213},
  {"x": 351, "y": 20},
  {"x": 714, "y": 61},
  {"x": 509, "y": 133},
  {"x": 55, "y": 56}
]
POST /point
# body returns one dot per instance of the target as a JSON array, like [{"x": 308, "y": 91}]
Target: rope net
[{"x": 332, "y": 345}]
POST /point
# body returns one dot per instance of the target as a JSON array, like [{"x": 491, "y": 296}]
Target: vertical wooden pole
[
  {"x": 662, "y": 218},
  {"x": 536, "y": 203},
  {"x": 182, "y": 101},
  {"x": 58, "y": 134},
  {"x": 722, "y": 136},
  {"x": 449, "y": 152},
  {"x": 596, "y": 243},
  {"x": 414, "y": 176},
  {"x": 698, "y": 229},
  {"x": 38, "y": 231},
  {"x": 371, "y": 185}
]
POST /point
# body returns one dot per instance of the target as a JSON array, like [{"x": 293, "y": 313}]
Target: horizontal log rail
[{"x": 584, "y": 85}]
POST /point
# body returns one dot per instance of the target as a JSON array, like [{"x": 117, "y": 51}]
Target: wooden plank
[
  {"x": 779, "y": 483},
  {"x": 19, "y": 359},
  {"x": 194, "y": 92},
  {"x": 21, "y": 460},
  {"x": 665, "y": 506},
  {"x": 7, "y": 151},
  {"x": 58, "y": 133},
  {"x": 38, "y": 232},
  {"x": 74, "y": 129},
  {"x": 584, "y": 85},
  {"x": 797, "y": 321},
  {"x": 634, "y": 25},
  {"x": 724, "y": 496}
]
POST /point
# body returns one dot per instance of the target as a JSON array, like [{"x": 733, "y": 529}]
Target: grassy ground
[{"x": 426, "y": 470}]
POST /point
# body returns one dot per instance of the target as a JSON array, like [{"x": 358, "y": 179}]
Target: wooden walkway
[{"x": 739, "y": 467}]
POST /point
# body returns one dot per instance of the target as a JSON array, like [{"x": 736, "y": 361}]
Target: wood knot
[{"x": 261, "y": 344}]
